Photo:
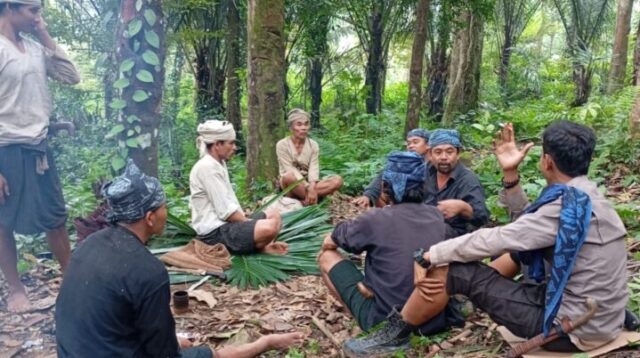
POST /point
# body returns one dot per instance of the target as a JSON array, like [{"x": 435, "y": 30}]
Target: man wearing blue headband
[
  {"x": 114, "y": 299},
  {"x": 389, "y": 235},
  {"x": 452, "y": 187},
  {"x": 418, "y": 142}
]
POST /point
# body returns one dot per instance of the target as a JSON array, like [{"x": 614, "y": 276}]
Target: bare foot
[
  {"x": 284, "y": 340},
  {"x": 276, "y": 248},
  {"x": 18, "y": 302}
]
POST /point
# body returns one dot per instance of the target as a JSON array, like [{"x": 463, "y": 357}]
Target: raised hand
[{"x": 506, "y": 150}]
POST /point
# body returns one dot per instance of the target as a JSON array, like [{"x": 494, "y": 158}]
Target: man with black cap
[
  {"x": 389, "y": 235},
  {"x": 114, "y": 299},
  {"x": 31, "y": 198}
]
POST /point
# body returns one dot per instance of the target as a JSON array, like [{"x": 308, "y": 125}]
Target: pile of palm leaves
[{"x": 302, "y": 229}]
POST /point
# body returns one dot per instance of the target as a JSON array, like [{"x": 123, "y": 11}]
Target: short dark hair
[
  {"x": 570, "y": 145},
  {"x": 415, "y": 195}
]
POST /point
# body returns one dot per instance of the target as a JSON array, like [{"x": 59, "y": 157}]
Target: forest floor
[{"x": 232, "y": 316}]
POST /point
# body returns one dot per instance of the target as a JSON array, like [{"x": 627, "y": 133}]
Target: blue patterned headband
[
  {"x": 419, "y": 132},
  {"x": 133, "y": 194},
  {"x": 404, "y": 171},
  {"x": 445, "y": 136}
]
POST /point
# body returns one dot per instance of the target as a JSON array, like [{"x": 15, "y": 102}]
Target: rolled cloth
[
  {"x": 296, "y": 114},
  {"x": 133, "y": 194},
  {"x": 419, "y": 132},
  {"x": 213, "y": 131},
  {"x": 404, "y": 171},
  {"x": 23, "y": 2},
  {"x": 445, "y": 136}
]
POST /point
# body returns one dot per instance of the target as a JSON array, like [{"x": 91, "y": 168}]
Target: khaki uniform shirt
[
  {"x": 212, "y": 198},
  {"x": 303, "y": 165},
  {"x": 600, "y": 267},
  {"x": 25, "y": 103}
]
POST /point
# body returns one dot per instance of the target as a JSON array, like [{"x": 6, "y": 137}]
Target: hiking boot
[
  {"x": 391, "y": 337},
  {"x": 631, "y": 321}
]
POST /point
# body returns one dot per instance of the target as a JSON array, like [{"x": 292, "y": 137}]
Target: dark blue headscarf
[
  {"x": 133, "y": 194},
  {"x": 445, "y": 136},
  {"x": 419, "y": 132},
  {"x": 404, "y": 171}
]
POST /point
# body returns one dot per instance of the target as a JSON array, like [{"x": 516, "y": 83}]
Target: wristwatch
[{"x": 418, "y": 256}]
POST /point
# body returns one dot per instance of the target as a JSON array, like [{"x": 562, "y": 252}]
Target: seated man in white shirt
[{"x": 216, "y": 214}]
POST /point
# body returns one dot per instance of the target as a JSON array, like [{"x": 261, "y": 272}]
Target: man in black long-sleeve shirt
[{"x": 114, "y": 299}]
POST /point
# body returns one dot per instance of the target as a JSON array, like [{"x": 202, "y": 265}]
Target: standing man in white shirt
[
  {"x": 216, "y": 214},
  {"x": 31, "y": 199}
]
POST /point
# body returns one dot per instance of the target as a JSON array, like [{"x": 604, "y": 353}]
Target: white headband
[{"x": 213, "y": 131}]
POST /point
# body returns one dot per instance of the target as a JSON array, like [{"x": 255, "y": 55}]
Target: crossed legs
[{"x": 323, "y": 188}]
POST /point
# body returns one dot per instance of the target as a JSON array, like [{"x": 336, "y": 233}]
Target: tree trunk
[
  {"x": 265, "y": 64},
  {"x": 582, "y": 81},
  {"x": 634, "y": 118},
  {"x": 415, "y": 71},
  {"x": 505, "y": 58},
  {"x": 141, "y": 54},
  {"x": 619, "y": 56},
  {"x": 171, "y": 113},
  {"x": 210, "y": 80},
  {"x": 318, "y": 52},
  {"x": 315, "y": 90},
  {"x": 636, "y": 59},
  {"x": 464, "y": 70},
  {"x": 373, "y": 80},
  {"x": 233, "y": 64}
]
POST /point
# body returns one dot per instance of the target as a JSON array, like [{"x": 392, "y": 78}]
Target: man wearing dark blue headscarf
[
  {"x": 418, "y": 142},
  {"x": 389, "y": 235}
]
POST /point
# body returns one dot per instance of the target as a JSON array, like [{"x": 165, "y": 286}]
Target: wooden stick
[{"x": 326, "y": 332}]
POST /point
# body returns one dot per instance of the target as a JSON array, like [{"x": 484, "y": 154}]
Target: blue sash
[{"x": 573, "y": 227}]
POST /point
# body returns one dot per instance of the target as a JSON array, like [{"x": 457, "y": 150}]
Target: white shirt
[
  {"x": 212, "y": 198},
  {"x": 25, "y": 103}
]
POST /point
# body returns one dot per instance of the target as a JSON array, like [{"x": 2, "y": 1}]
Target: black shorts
[
  {"x": 35, "y": 203},
  {"x": 237, "y": 237},
  {"x": 345, "y": 277}
]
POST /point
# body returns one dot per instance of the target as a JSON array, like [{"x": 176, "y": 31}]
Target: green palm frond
[{"x": 303, "y": 230}]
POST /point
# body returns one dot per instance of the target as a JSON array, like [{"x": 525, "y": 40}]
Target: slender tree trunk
[
  {"x": 375, "y": 63},
  {"x": 417, "y": 62},
  {"x": 141, "y": 57},
  {"x": 582, "y": 80},
  {"x": 204, "y": 99},
  {"x": 171, "y": 113},
  {"x": 636, "y": 59},
  {"x": 464, "y": 70},
  {"x": 318, "y": 50},
  {"x": 634, "y": 118},
  {"x": 505, "y": 59},
  {"x": 265, "y": 63},
  {"x": 621, "y": 41},
  {"x": 315, "y": 90},
  {"x": 233, "y": 65}
]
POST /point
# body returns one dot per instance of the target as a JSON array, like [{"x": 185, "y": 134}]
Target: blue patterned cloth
[
  {"x": 419, "y": 132},
  {"x": 445, "y": 136},
  {"x": 131, "y": 195},
  {"x": 575, "y": 216},
  {"x": 404, "y": 171}
]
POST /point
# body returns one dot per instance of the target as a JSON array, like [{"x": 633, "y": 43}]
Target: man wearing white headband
[
  {"x": 216, "y": 214},
  {"x": 31, "y": 199},
  {"x": 298, "y": 159}
]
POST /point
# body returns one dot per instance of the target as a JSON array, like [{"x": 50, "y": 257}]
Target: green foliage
[{"x": 303, "y": 231}]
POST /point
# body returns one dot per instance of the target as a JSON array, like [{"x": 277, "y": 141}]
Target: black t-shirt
[
  {"x": 114, "y": 301},
  {"x": 390, "y": 235}
]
